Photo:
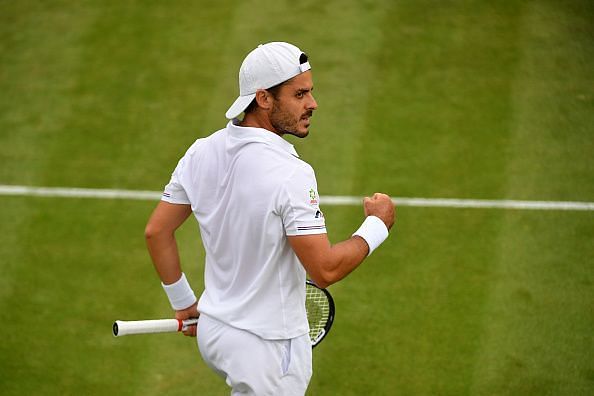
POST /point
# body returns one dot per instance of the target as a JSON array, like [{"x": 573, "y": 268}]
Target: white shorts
[{"x": 253, "y": 366}]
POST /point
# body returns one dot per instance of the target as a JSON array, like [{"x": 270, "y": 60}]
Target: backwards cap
[{"x": 266, "y": 66}]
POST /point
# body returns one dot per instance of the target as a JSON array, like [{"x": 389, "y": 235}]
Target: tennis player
[{"x": 258, "y": 210}]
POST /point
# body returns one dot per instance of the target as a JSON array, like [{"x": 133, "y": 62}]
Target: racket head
[{"x": 319, "y": 306}]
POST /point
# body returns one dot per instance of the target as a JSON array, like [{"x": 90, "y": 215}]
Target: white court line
[{"x": 325, "y": 200}]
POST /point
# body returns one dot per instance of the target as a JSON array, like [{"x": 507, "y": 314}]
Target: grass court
[{"x": 455, "y": 99}]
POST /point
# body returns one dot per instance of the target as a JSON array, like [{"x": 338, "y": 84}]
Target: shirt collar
[{"x": 260, "y": 134}]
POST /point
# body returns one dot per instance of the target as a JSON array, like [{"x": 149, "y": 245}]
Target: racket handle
[{"x": 122, "y": 327}]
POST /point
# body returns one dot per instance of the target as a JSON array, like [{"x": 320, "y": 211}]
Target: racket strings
[{"x": 318, "y": 310}]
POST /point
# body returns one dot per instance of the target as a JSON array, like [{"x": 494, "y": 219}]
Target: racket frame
[{"x": 332, "y": 311}]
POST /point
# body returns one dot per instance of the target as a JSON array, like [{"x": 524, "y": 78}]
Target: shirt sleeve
[
  {"x": 174, "y": 191},
  {"x": 300, "y": 204}
]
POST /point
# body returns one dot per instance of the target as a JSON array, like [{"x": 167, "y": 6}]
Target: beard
[{"x": 286, "y": 123}]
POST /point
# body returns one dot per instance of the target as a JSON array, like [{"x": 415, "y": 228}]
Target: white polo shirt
[{"x": 249, "y": 190}]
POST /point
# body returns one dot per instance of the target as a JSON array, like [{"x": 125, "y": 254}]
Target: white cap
[{"x": 266, "y": 66}]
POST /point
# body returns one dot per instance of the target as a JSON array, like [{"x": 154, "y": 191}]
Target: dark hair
[
  {"x": 303, "y": 58},
  {"x": 273, "y": 91}
]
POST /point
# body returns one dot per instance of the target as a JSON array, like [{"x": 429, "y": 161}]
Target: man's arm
[
  {"x": 162, "y": 246},
  {"x": 160, "y": 239},
  {"x": 327, "y": 264}
]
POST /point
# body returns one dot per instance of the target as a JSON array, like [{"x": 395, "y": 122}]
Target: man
[{"x": 262, "y": 228}]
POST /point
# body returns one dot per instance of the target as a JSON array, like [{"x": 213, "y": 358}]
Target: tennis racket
[{"x": 319, "y": 306}]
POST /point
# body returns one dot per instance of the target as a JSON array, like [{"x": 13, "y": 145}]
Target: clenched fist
[{"x": 380, "y": 205}]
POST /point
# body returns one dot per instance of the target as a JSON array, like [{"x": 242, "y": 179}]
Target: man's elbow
[
  {"x": 152, "y": 231},
  {"x": 321, "y": 283},
  {"x": 324, "y": 279}
]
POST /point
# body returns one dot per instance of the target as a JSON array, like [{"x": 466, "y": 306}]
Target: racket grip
[{"x": 122, "y": 328}]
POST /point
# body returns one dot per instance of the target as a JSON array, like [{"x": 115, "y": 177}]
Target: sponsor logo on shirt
[{"x": 313, "y": 197}]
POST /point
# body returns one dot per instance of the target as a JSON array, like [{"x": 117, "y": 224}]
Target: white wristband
[
  {"x": 180, "y": 294},
  {"x": 374, "y": 231}
]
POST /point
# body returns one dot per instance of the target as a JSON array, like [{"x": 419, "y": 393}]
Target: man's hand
[
  {"x": 189, "y": 313},
  {"x": 380, "y": 205}
]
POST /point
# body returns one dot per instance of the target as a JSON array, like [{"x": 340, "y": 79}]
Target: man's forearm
[
  {"x": 165, "y": 256},
  {"x": 160, "y": 239},
  {"x": 164, "y": 253},
  {"x": 326, "y": 263},
  {"x": 342, "y": 259}
]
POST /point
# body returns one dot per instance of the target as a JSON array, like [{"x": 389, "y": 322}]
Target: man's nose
[{"x": 312, "y": 104}]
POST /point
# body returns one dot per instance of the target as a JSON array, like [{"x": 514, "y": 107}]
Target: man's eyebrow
[{"x": 304, "y": 90}]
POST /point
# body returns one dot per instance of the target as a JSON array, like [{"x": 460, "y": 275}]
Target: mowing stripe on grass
[{"x": 333, "y": 200}]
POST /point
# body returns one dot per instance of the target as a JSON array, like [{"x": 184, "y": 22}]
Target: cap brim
[{"x": 240, "y": 104}]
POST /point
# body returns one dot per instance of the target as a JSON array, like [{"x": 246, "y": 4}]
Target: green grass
[{"x": 464, "y": 99}]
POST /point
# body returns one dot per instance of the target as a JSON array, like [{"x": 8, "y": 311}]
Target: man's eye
[{"x": 300, "y": 94}]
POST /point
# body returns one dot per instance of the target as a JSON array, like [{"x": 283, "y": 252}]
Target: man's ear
[{"x": 264, "y": 99}]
